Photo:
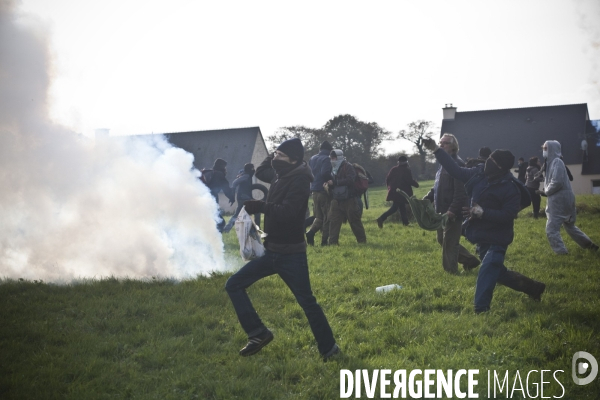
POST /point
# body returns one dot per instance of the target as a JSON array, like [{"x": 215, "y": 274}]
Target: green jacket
[{"x": 424, "y": 213}]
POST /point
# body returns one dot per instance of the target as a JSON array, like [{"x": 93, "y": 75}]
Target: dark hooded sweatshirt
[{"x": 285, "y": 206}]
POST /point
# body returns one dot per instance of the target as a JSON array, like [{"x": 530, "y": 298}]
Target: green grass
[{"x": 160, "y": 339}]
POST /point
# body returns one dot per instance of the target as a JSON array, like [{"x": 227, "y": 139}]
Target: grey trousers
[
  {"x": 453, "y": 252},
  {"x": 568, "y": 222}
]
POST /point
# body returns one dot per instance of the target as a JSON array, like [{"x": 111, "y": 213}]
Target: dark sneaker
[
  {"x": 537, "y": 290},
  {"x": 380, "y": 223},
  {"x": 310, "y": 238},
  {"x": 256, "y": 343},
  {"x": 471, "y": 266},
  {"x": 331, "y": 353},
  {"x": 593, "y": 247}
]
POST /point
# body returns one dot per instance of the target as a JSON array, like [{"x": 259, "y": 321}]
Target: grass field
[{"x": 161, "y": 339}]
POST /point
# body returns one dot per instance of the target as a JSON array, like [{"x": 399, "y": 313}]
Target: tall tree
[
  {"x": 311, "y": 138},
  {"x": 416, "y": 133},
  {"x": 360, "y": 141}
]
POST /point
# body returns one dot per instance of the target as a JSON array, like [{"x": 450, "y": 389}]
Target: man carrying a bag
[
  {"x": 344, "y": 201},
  {"x": 285, "y": 249}
]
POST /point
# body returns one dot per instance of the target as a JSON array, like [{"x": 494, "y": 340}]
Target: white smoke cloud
[{"x": 71, "y": 208}]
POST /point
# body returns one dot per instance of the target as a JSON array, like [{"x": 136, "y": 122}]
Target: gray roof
[
  {"x": 236, "y": 146},
  {"x": 521, "y": 130}
]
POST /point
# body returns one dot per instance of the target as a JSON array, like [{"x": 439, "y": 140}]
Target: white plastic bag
[{"x": 249, "y": 236}]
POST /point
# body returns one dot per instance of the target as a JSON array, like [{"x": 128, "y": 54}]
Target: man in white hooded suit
[{"x": 560, "y": 207}]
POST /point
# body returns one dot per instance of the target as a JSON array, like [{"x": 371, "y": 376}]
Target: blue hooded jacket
[
  {"x": 320, "y": 164},
  {"x": 499, "y": 198}
]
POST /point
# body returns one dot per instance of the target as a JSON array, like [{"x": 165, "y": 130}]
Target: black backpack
[{"x": 206, "y": 176}]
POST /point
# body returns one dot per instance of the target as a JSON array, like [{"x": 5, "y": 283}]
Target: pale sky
[{"x": 137, "y": 67}]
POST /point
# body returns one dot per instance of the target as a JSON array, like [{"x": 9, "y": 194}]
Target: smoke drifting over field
[{"x": 71, "y": 208}]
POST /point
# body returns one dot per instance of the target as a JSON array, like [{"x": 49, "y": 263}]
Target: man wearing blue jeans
[
  {"x": 285, "y": 249},
  {"x": 495, "y": 201}
]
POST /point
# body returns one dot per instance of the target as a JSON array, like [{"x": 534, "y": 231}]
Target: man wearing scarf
[
  {"x": 343, "y": 174},
  {"x": 495, "y": 201},
  {"x": 285, "y": 249}
]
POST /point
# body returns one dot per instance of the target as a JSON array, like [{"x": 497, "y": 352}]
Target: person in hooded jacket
[
  {"x": 285, "y": 249},
  {"x": 218, "y": 183},
  {"x": 560, "y": 206},
  {"x": 399, "y": 177},
  {"x": 532, "y": 183},
  {"x": 346, "y": 206},
  {"x": 321, "y": 169},
  {"x": 495, "y": 201},
  {"x": 243, "y": 184}
]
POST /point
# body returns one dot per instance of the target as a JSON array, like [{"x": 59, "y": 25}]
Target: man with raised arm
[{"x": 495, "y": 201}]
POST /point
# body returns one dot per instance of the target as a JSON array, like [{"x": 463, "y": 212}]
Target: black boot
[
  {"x": 537, "y": 290},
  {"x": 530, "y": 287},
  {"x": 310, "y": 238}
]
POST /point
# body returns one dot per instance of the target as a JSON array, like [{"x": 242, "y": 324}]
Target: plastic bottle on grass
[{"x": 387, "y": 288}]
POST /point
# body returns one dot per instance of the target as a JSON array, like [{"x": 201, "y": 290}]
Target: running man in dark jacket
[
  {"x": 285, "y": 249},
  {"x": 495, "y": 201},
  {"x": 399, "y": 177}
]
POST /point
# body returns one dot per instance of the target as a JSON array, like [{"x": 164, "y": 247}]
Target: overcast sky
[{"x": 148, "y": 66}]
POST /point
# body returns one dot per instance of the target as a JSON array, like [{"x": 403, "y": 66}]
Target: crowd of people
[{"x": 480, "y": 199}]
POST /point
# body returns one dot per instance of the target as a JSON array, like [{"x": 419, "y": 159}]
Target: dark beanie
[
  {"x": 249, "y": 167},
  {"x": 220, "y": 164},
  {"x": 326, "y": 146},
  {"x": 292, "y": 148},
  {"x": 504, "y": 158},
  {"x": 402, "y": 159}
]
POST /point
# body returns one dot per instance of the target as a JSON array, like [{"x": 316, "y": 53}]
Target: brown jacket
[{"x": 400, "y": 177}]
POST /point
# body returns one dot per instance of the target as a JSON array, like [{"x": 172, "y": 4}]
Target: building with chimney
[{"x": 523, "y": 131}]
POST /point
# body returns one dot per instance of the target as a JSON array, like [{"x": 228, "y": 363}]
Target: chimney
[
  {"x": 449, "y": 111},
  {"x": 101, "y": 134}
]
